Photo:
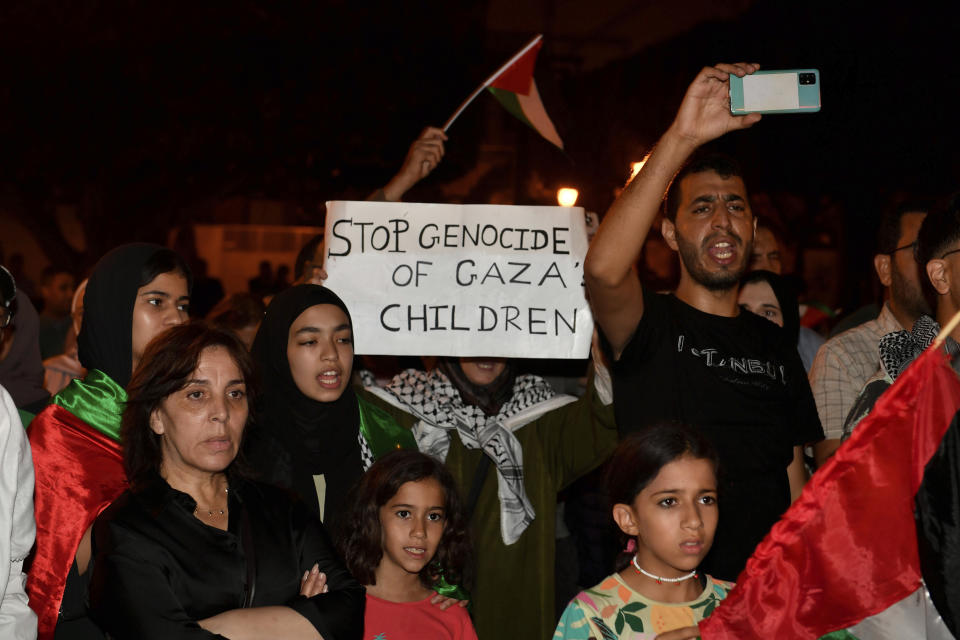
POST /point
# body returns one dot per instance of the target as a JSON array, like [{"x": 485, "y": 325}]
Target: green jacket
[{"x": 513, "y": 586}]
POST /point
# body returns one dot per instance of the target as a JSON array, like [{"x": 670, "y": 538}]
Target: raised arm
[
  {"x": 616, "y": 296},
  {"x": 424, "y": 155}
]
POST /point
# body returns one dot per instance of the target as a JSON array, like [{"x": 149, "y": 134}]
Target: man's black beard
[
  {"x": 909, "y": 296},
  {"x": 712, "y": 281}
]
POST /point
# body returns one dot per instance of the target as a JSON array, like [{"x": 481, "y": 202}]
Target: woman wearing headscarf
[
  {"x": 761, "y": 287},
  {"x": 135, "y": 292},
  {"x": 512, "y": 444},
  {"x": 315, "y": 433},
  {"x": 771, "y": 296},
  {"x": 21, "y": 369}
]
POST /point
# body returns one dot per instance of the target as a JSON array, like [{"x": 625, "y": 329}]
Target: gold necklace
[{"x": 213, "y": 513}]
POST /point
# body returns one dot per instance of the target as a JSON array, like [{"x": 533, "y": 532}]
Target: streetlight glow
[{"x": 567, "y": 196}]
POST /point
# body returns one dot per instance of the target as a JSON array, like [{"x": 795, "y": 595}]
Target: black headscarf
[
  {"x": 489, "y": 397},
  {"x": 320, "y": 437},
  {"x": 787, "y": 297},
  {"x": 106, "y": 334}
]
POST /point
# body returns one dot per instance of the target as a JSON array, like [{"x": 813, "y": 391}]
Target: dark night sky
[{"x": 164, "y": 107}]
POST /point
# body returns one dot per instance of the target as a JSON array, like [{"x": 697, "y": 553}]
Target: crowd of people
[{"x": 247, "y": 476}]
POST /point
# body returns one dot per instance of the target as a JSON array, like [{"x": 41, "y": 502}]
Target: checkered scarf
[{"x": 437, "y": 403}]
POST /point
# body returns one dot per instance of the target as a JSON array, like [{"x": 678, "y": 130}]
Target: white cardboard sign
[{"x": 460, "y": 280}]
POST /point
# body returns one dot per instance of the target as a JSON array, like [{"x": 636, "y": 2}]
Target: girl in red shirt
[{"x": 406, "y": 538}]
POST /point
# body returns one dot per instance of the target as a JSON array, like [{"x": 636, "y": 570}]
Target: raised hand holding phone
[{"x": 704, "y": 114}]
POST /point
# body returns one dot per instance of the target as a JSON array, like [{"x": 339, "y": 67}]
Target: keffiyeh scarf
[
  {"x": 437, "y": 403},
  {"x": 900, "y": 348}
]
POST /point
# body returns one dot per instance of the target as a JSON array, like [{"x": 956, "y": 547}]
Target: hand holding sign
[{"x": 461, "y": 280}]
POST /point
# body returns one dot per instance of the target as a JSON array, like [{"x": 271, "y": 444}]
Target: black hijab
[
  {"x": 106, "y": 334},
  {"x": 320, "y": 437},
  {"x": 785, "y": 294},
  {"x": 489, "y": 397}
]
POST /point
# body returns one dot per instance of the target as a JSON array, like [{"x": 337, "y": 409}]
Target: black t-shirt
[{"x": 741, "y": 382}]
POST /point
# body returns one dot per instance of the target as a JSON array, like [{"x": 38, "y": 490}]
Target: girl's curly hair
[{"x": 360, "y": 539}]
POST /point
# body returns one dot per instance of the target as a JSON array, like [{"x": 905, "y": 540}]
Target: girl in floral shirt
[{"x": 663, "y": 483}]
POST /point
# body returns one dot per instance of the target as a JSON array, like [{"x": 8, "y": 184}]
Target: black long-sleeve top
[{"x": 158, "y": 570}]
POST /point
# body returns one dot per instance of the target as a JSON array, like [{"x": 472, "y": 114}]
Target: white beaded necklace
[{"x": 660, "y": 579}]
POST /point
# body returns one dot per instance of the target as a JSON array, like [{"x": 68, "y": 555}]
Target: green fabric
[
  {"x": 25, "y": 417},
  {"x": 97, "y": 400},
  {"x": 513, "y": 590},
  {"x": 380, "y": 428},
  {"x": 509, "y": 101},
  {"x": 447, "y": 590},
  {"x": 842, "y": 634}
]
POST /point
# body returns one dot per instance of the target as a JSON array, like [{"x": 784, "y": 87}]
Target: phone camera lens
[{"x": 808, "y": 78}]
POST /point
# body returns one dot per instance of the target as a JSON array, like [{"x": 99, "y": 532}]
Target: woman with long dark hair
[{"x": 195, "y": 548}]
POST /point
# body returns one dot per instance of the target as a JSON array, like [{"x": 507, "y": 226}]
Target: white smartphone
[{"x": 777, "y": 91}]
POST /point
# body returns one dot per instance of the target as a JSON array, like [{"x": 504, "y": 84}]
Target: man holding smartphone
[{"x": 693, "y": 356}]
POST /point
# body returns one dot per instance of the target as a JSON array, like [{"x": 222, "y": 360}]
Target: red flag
[
  {"x": 513, "y": 86},
  {"x": 79, "y": 472},
  {"x": 847, "y": 548}
]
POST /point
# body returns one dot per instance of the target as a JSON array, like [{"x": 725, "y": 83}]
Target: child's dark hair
[
  {"x": 360, "y": 540},
  {"x": 639, "y": 458}
]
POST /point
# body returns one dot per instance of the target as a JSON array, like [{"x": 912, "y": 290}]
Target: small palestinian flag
[
  {"x": 514, "y": 87},
  {"x": 846, "y": 559}
]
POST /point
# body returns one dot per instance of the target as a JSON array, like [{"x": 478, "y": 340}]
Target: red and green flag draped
[
  {"x": 514, "y": 87},
  {"x": 78, "y": 465},
  {"x": 847, "y": 549}
]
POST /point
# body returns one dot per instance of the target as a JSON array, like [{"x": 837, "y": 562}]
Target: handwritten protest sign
[{"x": 460, "y": 280}]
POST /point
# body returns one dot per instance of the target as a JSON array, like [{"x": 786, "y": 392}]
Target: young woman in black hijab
[
  {"x": 135, "y": 292},
  {"x": 771, "y": 296},
  {"x": 314, "y": 432}
]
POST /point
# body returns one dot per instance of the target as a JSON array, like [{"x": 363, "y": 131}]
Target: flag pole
[
  {"x": 486, "y": 83},
  {"x": 948, "y": 329}
]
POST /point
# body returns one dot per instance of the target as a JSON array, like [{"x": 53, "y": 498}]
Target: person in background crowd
[
  {"x": 262, "y": 285},
  {"x": 308, "y": 268},
  {"x": 936, "y": 253},
  {"x": 773, "y": 297},
  {"x": 17, "y": 528},
  {"x": 283, "y": 278},
  {"x": 695, "y": 356},
  {"x": 240, "y": 313},
  {"x": 767, "y": 256},
  {"x": 662, "y": 484},
  {"x": 61, "y": 369},
  {"x": 405, "y": 537},
  {"x": 207, "y": 291},
  {"x": 17, "y": 269},
  {"x": 846, "y": 362},
  {"x": 194, "y": 548},
  {"x": 135, "y": 292},
  {"x": 56, "y": 288},
  {"x": 21, "y": 370}
]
